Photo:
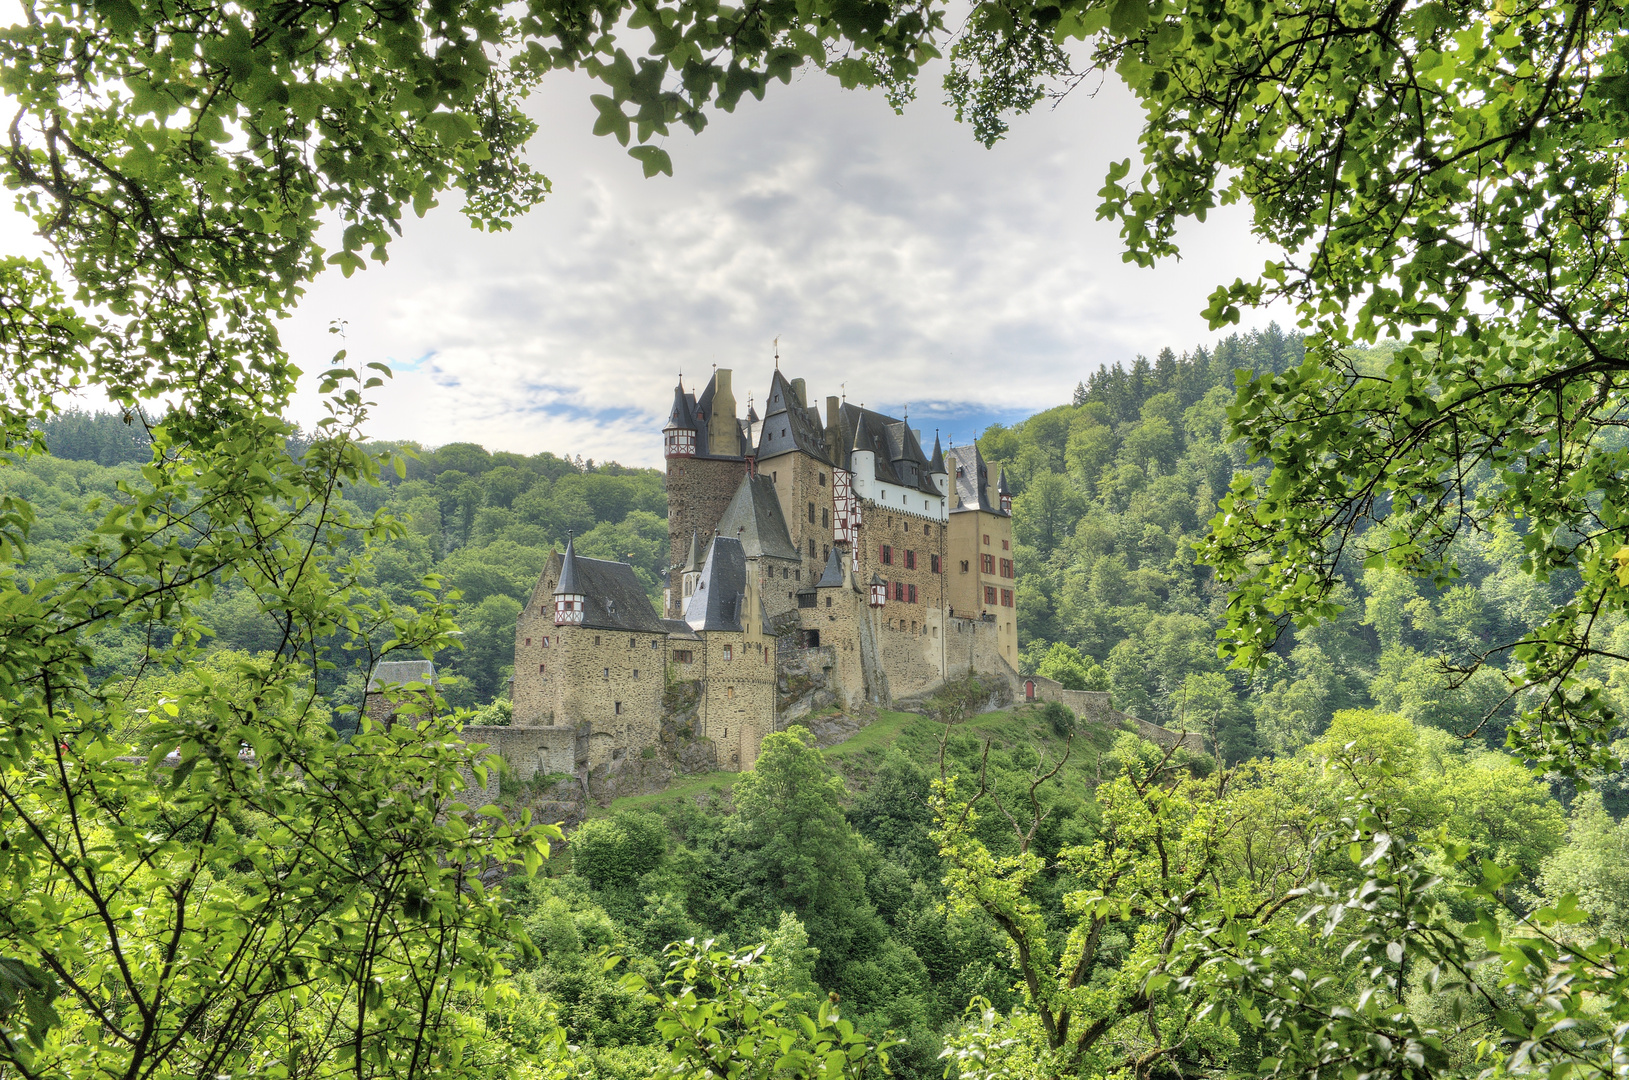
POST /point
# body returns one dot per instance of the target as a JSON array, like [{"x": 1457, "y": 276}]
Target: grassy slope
[{"x": 857, "y": 759}]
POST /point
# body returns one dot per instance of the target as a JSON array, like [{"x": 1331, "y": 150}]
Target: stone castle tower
[{"x": 832, "y": 542}]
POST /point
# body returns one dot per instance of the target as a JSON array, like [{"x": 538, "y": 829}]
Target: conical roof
[
  {"x": 569, "y": 585},
  {"x": 1001, "y": 485},
  {"x": 754, "y": 518},
  {"x": 937, "y": 465},
  {"x": 833, "y": 577},
  {"x": 876, "y": 579},
  {"x": 684, "y": 413},
  {"x": 862, "y": 438},
  {"x": 692, "y": 562}
]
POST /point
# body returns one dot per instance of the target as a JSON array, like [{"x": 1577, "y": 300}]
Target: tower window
[
  {"x": 545, "y": 642},
  {"x": 887, "y": 555},
  {"x": 910, "y": 595},
  {"x": 989, "y": 594},
  {"x": 631, "y": 642},
  {"x": 933, "y": 563},
  {"x": 656, "y": 643},
  {"x": 811, "y": 544},
  {"x": 910, "y": 560},
  {"x": 540, "y": 669},
  {"x": 964, "y": 566},
  {"x": 528, "y": 641},
  {"x": 617, "y": 705},
  {"x": 822, "y": 479},
  {"x": 607, "y": 673},
  {"x": 811, "y": 513},
  {"x": 729, "y": 652},
  {"x": 636, "y": 673},
  {"x": 986, "y": 539},
  {"x": 1006, "y": 598},
  {"x": 596, "y": 639}
]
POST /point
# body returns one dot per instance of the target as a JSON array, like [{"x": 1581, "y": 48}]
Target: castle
[{"x": 791, "y": 537}]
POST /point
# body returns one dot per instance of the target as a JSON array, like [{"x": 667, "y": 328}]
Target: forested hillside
[
  {"x": 1112, "y": 492},
  {"x": 483, "y": 524}
]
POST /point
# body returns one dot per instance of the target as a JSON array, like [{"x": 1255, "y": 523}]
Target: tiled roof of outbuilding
[{"x": 400, "y": 673}]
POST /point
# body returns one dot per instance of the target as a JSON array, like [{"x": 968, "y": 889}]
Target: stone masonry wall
[
  {"x": 698, "y": 491},
  {"x": 611, "y": 685},
  {"x": 535, "y": 691},
  {"x": 1094, "y": 705},
  {"x": 804, "y": 486},
  {"x": 529, "y": 750},
  {"x": 737, "y": 707}
]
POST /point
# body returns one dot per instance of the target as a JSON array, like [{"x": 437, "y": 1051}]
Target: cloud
[{"x": 894, "y": 258}]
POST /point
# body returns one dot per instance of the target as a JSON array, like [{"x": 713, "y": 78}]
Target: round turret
[
  {"x": 679, "y": 436},
  {"x": 568, "y": 595}
]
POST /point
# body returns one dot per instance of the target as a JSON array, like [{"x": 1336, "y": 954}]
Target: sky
[{"x": 897, "y": 261}]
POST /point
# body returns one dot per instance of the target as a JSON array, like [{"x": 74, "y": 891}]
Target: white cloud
[{"x": 891, "y": 254}]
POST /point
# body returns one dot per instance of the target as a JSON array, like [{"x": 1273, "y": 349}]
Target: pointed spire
[
  {"x": 833, "y": 577},
  {"x": 683, "y": 415},
  {"x": 862, "y": 440},
  {"x": 692, "y": 562},
  {"x": 937, "y": 465},
  {"x": 568, "y": 572},
  {"x": 1001, "y": 485}
]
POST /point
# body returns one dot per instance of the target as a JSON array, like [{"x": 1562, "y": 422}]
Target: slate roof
[
  {"x": 790, "y": 425},
  {"x": 678, "y": 628},
  {"x": 721, "y": 592},
  {"x": 692, "y": 561},
  {"x": 833, "y": 577},
  {"x": 754, "y": 517},
  {"x": 972, "y": 479},
  {"x": 937, "y": 465},
  {"x": 899, "y": 457},
  {"x": 613, "y": 598},
  {"x": 1002, "y": 488},
  {"x": 569, "y": 583},
  {"x": 400, "y": 673},
  {"x": 692, "y": 412}
]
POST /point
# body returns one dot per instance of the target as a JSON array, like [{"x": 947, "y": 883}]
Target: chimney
[{"x": 802, "y": 393}]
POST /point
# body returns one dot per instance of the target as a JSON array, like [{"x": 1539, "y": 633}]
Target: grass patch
[{"x": 679, "y": 791}]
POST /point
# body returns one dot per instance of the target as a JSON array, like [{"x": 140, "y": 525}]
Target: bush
[
  {"x": 1059, "y": 717},
  {"x": 617, "y": 851}
]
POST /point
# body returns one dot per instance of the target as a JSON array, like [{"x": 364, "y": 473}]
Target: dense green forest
[
  {"x": 483, "y": 524},
  {"x": 842, "y": 862}
]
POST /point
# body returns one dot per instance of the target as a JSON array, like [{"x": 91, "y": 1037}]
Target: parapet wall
[
  {"x": 1094, "y": 705},
  {"x": 529, "y": 749}
]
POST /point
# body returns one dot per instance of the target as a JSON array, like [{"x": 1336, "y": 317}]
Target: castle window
[
  {"x": 540, "y": 669},
  {"x": 910, "y": 560},
  {"x": 607, "y": 673},
  {"x": 656, "y": 643},
  {"x": 1006, "y": 598},
  {"x": 774, "y": 478},
  {"x": 989, "y": 594},
  {"x": 617, "y": 705},
  {"x": 729, "y": 652},
  {"x": 822, "y": 479},
  {"x": 545, "y": 642},
  {"x": 825, "y": 552},
  {"x": 528, "y": 641},
  {"x": 636, "y": 673},
  {"x": 899, "y": 590},
  {"x": 683, "y": 656},
  {"x": 933, "y": 563},
  {"x": 729, "y": 692},
  {"x": 964, "y": 566},
  {"x": 797, "y": 575},
  {"x": 631, "y": 642},
  {"x": 825, "y": 517},
  {"x": 828, "y": 601},
  {"x": 1006, "y": 568},
  {"x": 887, "y": 555},
  {"x": 913, "y": 626},
  {"x": 1006, "y": 545},
  {"x": 596, "y": 639},
  {"x": 811, "y": 513},
  {"x": 986, "y": 564},
  {"x": 986, "y": 539},
  {"x": 910, "y": 594},
  {"x": 811, "y": 544}
]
